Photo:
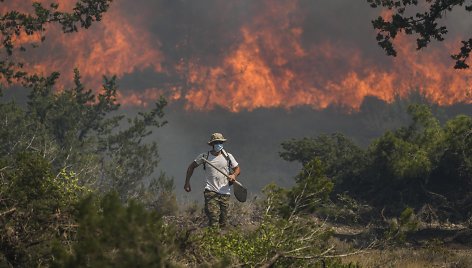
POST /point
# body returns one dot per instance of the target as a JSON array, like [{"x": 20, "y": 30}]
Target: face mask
[{"x": 218, "y": 147}]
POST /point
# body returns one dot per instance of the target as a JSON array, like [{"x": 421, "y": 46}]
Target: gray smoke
[{"x": 254, "y": 138}]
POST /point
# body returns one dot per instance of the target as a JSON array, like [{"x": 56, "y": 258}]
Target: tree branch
[{"x": 4, "y": 213}]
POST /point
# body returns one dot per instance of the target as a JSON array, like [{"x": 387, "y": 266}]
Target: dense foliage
[
  {"x": 65, "y": 144},
  {"x": 113, "y": 235},
  {"x": 35, "y": 205},
  {"x": 56, "y": 149},
  {"x": 425, "y": 163},
  {"x": 79, "y": 131}
]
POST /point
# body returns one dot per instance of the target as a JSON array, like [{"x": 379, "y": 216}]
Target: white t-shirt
[{"x": 215, "y": 181}]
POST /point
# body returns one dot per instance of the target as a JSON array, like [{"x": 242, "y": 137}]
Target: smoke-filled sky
[{"x": 259, "y": 71}]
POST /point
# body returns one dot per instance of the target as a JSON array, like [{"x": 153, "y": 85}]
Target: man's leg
[
  {"x": 224, "y": 204},
  {"x": 211, "y": 207}
]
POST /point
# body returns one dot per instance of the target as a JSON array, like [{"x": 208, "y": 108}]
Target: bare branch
[
  {"x": 31, "y": 142},
  {"x": 297, "y": 203},
  {"x": 361, "y": 251},
  {"x": 271, "y": 261},
  {"x": 3, "y": 168},
  {"x": 321, "y": 255},
  {"x": 7, "y": 212}
]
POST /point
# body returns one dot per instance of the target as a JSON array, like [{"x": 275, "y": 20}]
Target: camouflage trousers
[{"x": 216, "y": 208}]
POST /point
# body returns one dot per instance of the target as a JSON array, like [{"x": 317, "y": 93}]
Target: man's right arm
[{"x": 190, "y": 169}]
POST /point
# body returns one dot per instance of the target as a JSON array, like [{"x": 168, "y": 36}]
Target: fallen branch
[
  {"x": 321, "y": 255},
  {"x": 3, "y": 168},
  {"x": 370, "y": 246},
  {"x": 272, "y": 260},
  {"x": 279, "y": 255},
  {"x": 7, "y": 212}
]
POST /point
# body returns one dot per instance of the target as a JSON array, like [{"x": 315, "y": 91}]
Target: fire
[
  {"x": 110, "y": 47},
  {"x": 271, "y": 65},
  {"x": 271, "y": 68}
]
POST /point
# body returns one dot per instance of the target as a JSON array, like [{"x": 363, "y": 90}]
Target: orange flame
[
  {"x": 110, "y": 47},
  {"x": 271, "y": 67}
]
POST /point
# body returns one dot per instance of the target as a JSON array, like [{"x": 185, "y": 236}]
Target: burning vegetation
[{"x": 266, "y": 56}]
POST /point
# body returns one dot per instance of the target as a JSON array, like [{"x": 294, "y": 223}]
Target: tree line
[{"x": 425, "y": 163}]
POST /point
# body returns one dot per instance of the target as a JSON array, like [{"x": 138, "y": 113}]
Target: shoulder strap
[
  {"x": 204, "y": 163},
  {"x": 228, "y": 159}
]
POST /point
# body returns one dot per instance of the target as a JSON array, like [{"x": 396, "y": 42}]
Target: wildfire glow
[{"x": 270, "y": 67}]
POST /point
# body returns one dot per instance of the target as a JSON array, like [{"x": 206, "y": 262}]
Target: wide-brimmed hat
[{"x": 216, "y": 137}]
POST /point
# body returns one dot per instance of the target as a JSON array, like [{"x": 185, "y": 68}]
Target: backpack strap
[
  {"x": 230, "y": 165},
  {"x": 204, "y": 163},
  {"x": 228, "y": 159}
]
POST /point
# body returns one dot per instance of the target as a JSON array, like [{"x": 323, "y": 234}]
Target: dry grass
[
  {"x": 433, "y": 245},
  {"x": 430, "y": 249},
  {"x": 413, "y": 258}
]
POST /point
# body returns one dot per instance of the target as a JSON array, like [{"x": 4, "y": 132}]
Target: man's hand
[
  {"x": 190, "y": 169},
  {"x": 232, "y": 177},
  {"x": 187, "y": 187}
]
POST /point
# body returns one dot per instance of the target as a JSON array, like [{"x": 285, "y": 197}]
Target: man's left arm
[
  {"x": 235, "y": 174},
  {"x": 235, "y": 170}
]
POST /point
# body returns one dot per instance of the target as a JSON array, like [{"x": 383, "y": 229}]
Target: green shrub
[
  {"x": 294, "y": 242},
  {"x": 111, "y": 234},
  {"x": 37, "y": 208},
  {"x": 400, "y": 227}
]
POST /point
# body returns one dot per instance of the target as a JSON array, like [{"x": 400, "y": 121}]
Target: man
[{"x": 218, "y": 187}]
